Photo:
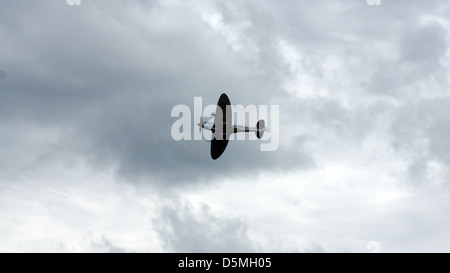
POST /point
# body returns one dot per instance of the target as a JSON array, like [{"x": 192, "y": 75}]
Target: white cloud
[
  {"x": 75, "y": 209},
  {"x": 86, "y": 159}
]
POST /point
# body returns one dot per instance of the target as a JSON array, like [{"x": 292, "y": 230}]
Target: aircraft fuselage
[{"x": 235, "y": 128}]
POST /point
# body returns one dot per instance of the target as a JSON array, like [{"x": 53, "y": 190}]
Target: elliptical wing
[{"x": 222, "y": 128}]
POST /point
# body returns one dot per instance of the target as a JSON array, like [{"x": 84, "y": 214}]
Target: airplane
[{"x": 222, "y": 128}]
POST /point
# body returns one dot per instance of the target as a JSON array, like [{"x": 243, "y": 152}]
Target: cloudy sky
[{"x": 87, "y": 161}]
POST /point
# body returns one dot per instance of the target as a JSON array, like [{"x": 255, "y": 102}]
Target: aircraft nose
[{"x": 199, "y": 124}]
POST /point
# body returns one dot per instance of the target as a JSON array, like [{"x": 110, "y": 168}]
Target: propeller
[{"x": 200, "y": 124}]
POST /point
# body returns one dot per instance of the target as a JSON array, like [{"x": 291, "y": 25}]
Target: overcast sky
[{"x": 87, "y": 161}]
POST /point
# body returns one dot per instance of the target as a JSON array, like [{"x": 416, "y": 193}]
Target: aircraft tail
[{"x": 260, "y": 128}]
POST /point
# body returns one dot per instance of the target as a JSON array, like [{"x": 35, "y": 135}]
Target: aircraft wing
[
  {"x": 218, "y": 147},
  {"x": 222, "y": 127}
]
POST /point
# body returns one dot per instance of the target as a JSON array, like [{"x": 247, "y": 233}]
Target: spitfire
[
  {"x": 219, "y": 123},
  {"x": 222, "y": 127}
]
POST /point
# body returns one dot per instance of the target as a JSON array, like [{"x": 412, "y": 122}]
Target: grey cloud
[
  {"x": 111, "y": 83},
  {"x": 416, "y": 171},
  {"x": 96, "y": 83},
  {"x": 110, "y": 80},
  {"x": 104, "y": 245},
  {"x": 421, "y": 131},
  {"x": 419, "y": 58},
  {"x": 182, "y": 229},
  {"x": 425, "y": 45},
  {"x": 314, "y": 248}
]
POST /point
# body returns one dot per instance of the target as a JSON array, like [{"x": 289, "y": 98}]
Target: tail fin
[{"x": 260, "y": 128}]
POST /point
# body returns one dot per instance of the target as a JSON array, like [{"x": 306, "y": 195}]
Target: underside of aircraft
[{"x": 222, "y": 127}]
